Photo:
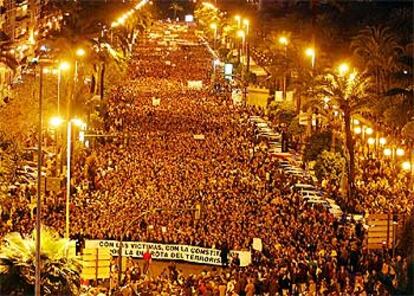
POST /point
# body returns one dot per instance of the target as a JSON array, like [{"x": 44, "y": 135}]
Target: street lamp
[
  {"x": 387, "y": 152},
  {"x": 241, "y": 34},
  {"x": 213, "y": 26},
  {"x": 310, "y": 52},
  {"x": 371, "y": 141},
  {"x": 56, "y": 122},
  {"x": 399, "y": 152},
  {"x": 284, "y": 42},
  {"x": 343, "y": 69},
  {"x": 80, "y": 52},
  {"x": 369, "y": 131},
  {"x": 238, "y": 19},
  {"x": 406, "y": 166},
  {"x": 63, "y": 66},
  {"x": 246, "y": 23}
]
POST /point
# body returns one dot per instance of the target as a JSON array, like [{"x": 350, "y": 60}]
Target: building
[{"x": 22, "y": 24}]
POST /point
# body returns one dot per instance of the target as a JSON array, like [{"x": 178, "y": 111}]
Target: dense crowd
[{"x": 196, "y": 148}]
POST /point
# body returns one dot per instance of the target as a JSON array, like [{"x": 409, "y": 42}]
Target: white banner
[{"x": 167, "y": 252}]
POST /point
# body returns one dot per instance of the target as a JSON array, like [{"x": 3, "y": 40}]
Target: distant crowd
[{"x": 196, "y": 148}]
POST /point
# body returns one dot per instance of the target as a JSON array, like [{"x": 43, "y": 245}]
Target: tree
[
  {"x": 397, "y": 104},
  {"x": 378, "y": 48},
  {"x": 60, "y": 269},
  {"x": 175, "y": 7},
  {"x": 329, "y": 166},
  {"x": 317, "y": 143},
  {"x": 352, "y": 94}
]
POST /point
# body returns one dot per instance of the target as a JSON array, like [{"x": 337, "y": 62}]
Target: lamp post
[
  {"x": 246, "y": 24},
  {"x": 62, "y": 67},
  {"x": 241, "y": 34},
  {"x": 56, "y": 122},
  {"x": 41, "y": 61},
  {"x": 80, "y": 52},
  {"x": 284, "y": 42},
  {"x": 39, "y": 187},
  {"x": 213, "y": 26},
  {"x": 238, "y": 20},
  {"x": 393, "y": 153},
  {"x": 310, "y": 52}
]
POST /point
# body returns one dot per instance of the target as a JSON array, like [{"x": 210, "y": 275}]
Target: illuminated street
[{"x": 193, "y": 148}]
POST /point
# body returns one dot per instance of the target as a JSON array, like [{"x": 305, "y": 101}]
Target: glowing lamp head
[
  {"x": 357, "y": 130},
  {"x": 356, "y": 122},
  {"x": 343, "y": 68},
  {"x": 56, "y": 121},
  {"x": 369, "y": 131},
  {"x": 371, "y": 141},
  {"x": 80, "y": 52},
  {"x": 382, "y": 141},
  {"x": 283, "y": 40},
  {"x": 78, "y": 122},
  {"x": 310, "y": 52},
  {"x": 64, "y": 66},
  {"x": 240, "y": 33},
  {"x": 399, "y": 152},
  {"x": 213, "y": 26},
  {"x": 406, "y": 166},
  {"x": 387, "y": 151}
]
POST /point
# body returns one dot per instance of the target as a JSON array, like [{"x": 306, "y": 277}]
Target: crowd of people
[{"x": 193, "y": 148}]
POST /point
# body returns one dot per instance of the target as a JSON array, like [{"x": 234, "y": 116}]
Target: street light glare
[
  {"x": 240, "y": 33},
  {"x": 56, "y": 121},
  {"x": 357, "y": 130},
  {"x": 246, "y": 22},
  {"x": 283, "y": 40},
  {"x": 237, "y": 18},
  {"x": 78, "y": 122},
  {"x": 213, "y": 26},
  {"x": 399, "y": 152},
  {"x": 64, "y": 66},
  {"x": 310, "y": 52},
  {"x": 371, "y": 141},
  {"x": 387, "y": 152},
  {"x": 383, "y": 141},
  {"x": 369, "y": 131},
  {"x": 406, "y": 166},
  {"x": 80, "y": 52},
  {"x": 343, "y": 68}
]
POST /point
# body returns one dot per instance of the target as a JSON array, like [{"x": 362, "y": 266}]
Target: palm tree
[
  {"x": 351, "y": 94},
  {"x": 378, "y": 48},
  {"x": 60, "y": 274},
  {"x": 175, "y": 7}
]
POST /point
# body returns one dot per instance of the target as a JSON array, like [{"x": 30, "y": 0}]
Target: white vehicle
[
  {"x": 299, "y": 186},
  {"x": 310, "y": 192},
  {"x": 335, "y": 210},
  {"x": 331, "y": 201},
  {"x": 256, "y": 119},
  {"x": 262, "y": 125},
  {"x": 317, "y": 202}
]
